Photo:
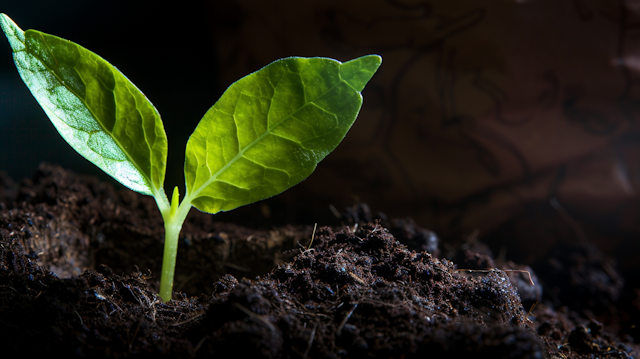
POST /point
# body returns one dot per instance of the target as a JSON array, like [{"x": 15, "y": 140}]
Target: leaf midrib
[{"x": 267, "y": 132}]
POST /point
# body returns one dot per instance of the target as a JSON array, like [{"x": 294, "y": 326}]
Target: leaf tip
[
  {"x": 358, "y": 72},
  {"x": 373, "y": 60},
  {"x": 14, "y": 34},
  {"x": 5, "y": 22}
]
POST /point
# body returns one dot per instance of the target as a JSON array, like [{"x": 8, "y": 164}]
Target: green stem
[{"x": 173, "y": 220}]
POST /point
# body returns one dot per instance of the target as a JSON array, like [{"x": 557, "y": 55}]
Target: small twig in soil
[
  {"x": 79, "y": 317},
  {"x": 376, "y": 228},
  {"x": 313, "y": 334},
  {"x": 531, "y": 311},
  {"x": 112, "y": 302},
  {"x": 200, "y": 343},
  {"x": 344, "y": 321},
  {"x": 133, "y": 338},
  {"x": 133, "y": 294},
  {"x": 10, "y": 287},
  {"x": 521, "y": 271},
  {"x": 146, "y": 303},
  {"x": 313, "y": 235},
  {"x": 357, "y": 279},
  {"x": 194, "y": 316},
  {"x": 254, "y": 315}
]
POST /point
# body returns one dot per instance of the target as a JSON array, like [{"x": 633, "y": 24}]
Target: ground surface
[{"x": 79, "y": 264}]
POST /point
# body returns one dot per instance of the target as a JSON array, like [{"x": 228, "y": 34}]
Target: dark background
[{"x": 166, "y": 49}]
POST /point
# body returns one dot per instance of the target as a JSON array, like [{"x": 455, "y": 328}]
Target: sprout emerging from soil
[{"x": 267, "y": 132}]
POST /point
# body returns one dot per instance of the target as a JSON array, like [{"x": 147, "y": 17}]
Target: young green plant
[{"x": 265, "y": 134}]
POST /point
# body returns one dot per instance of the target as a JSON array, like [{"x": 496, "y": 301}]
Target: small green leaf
[
  {"x": 270, "y": 129},
  {"x": 96, "y": 109}
]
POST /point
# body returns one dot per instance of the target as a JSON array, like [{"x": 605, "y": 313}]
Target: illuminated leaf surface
[
  {"x": 270, "y": 129},
  {"x": 96, "y": 109}
]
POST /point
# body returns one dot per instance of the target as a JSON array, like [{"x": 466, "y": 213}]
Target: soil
[{"x": 80, "y": 262}]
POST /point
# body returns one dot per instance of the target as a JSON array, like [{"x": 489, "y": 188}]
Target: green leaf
[
  {"x": 270, "y": 129},
  {"x": 96, "y": 109}
]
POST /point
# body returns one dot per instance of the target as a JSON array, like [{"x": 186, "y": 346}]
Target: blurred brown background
[{"x": 514, "y": 118}]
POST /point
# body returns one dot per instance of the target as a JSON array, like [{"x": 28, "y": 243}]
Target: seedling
[{"x": 265, "y": 134}]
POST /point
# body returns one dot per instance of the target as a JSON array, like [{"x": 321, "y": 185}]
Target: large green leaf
[
  {"x": 96, "y": 109},
  {"x": 270, "y": 129}
]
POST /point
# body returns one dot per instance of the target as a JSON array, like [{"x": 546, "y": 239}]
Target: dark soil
[{"x": 80, "y": 262}]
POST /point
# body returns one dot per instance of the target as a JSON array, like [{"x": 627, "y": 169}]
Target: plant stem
[
  {"x": 171, "y": 236},
  {"x": 173, "y": 220}
]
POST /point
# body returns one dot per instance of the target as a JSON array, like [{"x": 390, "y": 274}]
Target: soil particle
[{"x": 79, "y": 264}]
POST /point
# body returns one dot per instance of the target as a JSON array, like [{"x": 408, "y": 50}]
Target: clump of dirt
[
  {"x": 79, "y": 264},
  {"x": 363, "y": 293}
]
